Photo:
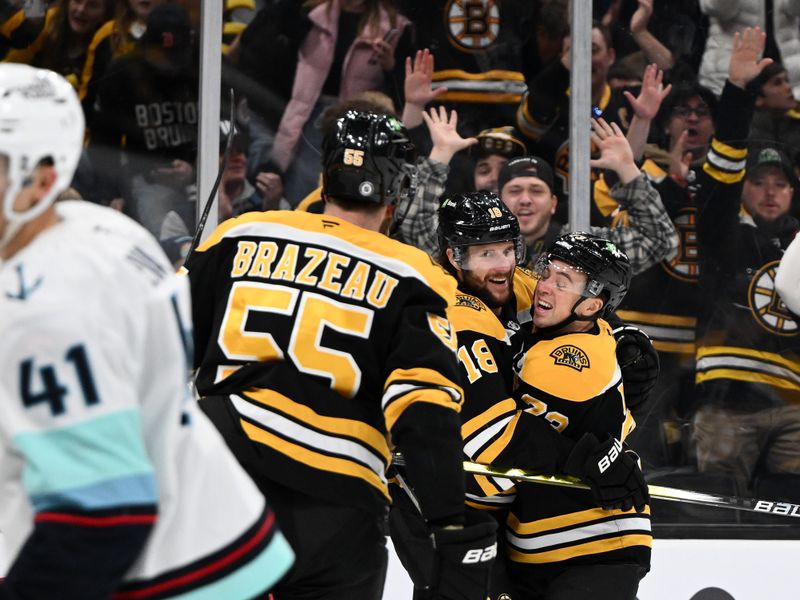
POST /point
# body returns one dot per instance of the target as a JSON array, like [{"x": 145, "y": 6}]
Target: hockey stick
[
  {"x": 201, "y": 224},
  {"x": 660, "y": 492}
]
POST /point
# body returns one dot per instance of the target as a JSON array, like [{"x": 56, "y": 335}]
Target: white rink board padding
[
  {"x": 744, "y": 569},
  {"x": 692, "y": 570},
  {"x": 682, "y": 570}
]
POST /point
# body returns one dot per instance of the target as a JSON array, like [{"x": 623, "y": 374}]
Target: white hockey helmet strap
[{"x": 40, "y": 117}]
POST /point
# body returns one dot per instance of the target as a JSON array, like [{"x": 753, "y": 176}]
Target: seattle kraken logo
[
  {"x": 25, "y": 290},
  {"x": 768, "y": 309},
  {"x": 473, "y": 25}
]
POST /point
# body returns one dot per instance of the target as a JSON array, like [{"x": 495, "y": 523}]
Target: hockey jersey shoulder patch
[
  {"x": 470, "y": 302},
  {"x": 571, "y": 356},
  {"x": 576, "y": 367},
  {"x": 470, "y": 314}
]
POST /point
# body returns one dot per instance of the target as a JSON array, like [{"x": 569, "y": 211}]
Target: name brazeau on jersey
[{"x": 316, "y": 267}]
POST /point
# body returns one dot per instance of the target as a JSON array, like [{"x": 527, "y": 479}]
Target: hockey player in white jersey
[{"x": 112, "y": 483}]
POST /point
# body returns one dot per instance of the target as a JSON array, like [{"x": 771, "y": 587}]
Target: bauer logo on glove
[{"x": 609, "y": 458}]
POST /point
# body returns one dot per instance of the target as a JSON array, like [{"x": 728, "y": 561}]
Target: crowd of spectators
[{"x": 705, "y": 215}]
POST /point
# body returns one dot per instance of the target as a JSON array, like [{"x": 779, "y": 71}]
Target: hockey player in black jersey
[
  {"x": 558, "y": 543},
  {"x": 319, "y": 339}
]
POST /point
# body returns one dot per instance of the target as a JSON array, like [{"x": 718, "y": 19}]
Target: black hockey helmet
[
  {"x": 367, "y": 157},
  {"x": 606, "y": 267},
  {"x": 477, "y": 218}
]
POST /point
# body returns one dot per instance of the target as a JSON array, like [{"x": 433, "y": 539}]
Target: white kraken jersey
[{"x": 95, "y": 412}]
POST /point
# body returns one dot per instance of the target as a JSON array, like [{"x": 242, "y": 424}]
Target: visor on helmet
[
  {"x": 564, "y": 276},
  {"x": 502, "y": 255}
]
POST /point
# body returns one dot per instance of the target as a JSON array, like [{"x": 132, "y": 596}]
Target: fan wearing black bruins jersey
[
  {"x": 317, "y": 338},
  {"x": 557, "y": 540},
  {"x": 748, "y": 349}
]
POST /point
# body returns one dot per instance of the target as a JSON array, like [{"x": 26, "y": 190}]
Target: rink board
[{"x": 682, "y": 570}]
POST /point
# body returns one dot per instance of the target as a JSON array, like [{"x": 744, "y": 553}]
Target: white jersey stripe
[
  {"x": 278, "y": 423},
  {"x": 579, "y": 534},
  {"x": 726, "y": 362},
  {"x": 479, "y": 441}
]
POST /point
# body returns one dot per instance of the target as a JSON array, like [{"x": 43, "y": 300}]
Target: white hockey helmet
[{"x": 40, "y": 118}]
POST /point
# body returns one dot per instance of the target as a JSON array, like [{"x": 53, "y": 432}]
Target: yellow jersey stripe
[
  {"x": 493, "y": 74},
  {"x": 479, "y": 422},
  {"x": 315, "y": 460},
  {"x": 723, "y": 176},
  {"x": 334, "y": 425},
  {"x": 482, "y": 97},
  {"x": 674, "y": 347},
  {"x": 312, "y": 197},
  {"x": 430, "y": 395},
  {"x": 595, "y": 547},
  {"x": 708, "y": 351},
  {"x": 750, "y": 376},
  {"x": 495, "y": 448},
  {"x": 656, "y": 319},
  {"x": 562, "y": 521},
  {"x": 7, "y": 28},
  {"x": 728, "y": 151}
]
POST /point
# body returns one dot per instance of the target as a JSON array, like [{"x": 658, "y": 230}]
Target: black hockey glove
[
  {"x": 612, "y": 473},
  {"x": 638, "y": 360},
  {"x": 445, "y": 564},
  {"x": 465, "y": 558}
]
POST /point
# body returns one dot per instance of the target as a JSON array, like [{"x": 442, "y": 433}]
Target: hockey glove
[
  {"x": 443, "y": 563},
  {"x": 465, "y": 557},
  {"x": 638, "y": 360},
  {"x": 612, "y": 473}
]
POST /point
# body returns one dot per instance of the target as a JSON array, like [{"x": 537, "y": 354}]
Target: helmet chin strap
[
  {"x": 573, "y": 316},
  {"x": 15, "y": 221}
]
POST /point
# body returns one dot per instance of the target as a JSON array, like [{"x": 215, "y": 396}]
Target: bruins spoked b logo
[
  {"x": 685, "y": 264},
  {"x": 472, "y": 24},
  {"x": 768, "y": 309}
]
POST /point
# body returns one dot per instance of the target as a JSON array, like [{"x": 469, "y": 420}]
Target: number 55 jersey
[
  {"x": 325, "y": 337},
  {"x": 99, "y": 434}
]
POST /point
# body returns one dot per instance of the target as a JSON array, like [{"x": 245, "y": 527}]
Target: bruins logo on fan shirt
[
  {"x": 469, "y": 301},
  {"x": 768, "y": 309},
  {"x": 472, "y": 25},
  {"x": 684, "y": 266},
  {"x": 571, "y": 356}
]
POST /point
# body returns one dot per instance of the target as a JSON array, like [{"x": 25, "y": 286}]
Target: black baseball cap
[
  {"x": 168, "y": 28},
  {"x": 526, "y": 166},
  {"x": 770, "y": 157}
]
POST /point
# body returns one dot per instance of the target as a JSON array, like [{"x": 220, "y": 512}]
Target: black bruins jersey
[
  {"x": 480, "y": 47},
  {"x": 747, "y": 338},
  {"x": 664, "y": 300},
  {"x": 573, "y": 382},
  {"x": 322, "y": 334}
]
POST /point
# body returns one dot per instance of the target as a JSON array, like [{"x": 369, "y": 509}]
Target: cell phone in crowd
[{"x": 389, "y": 38}]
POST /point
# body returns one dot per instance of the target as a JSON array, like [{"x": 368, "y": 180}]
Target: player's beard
[{"x": 478, "y": 287}]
